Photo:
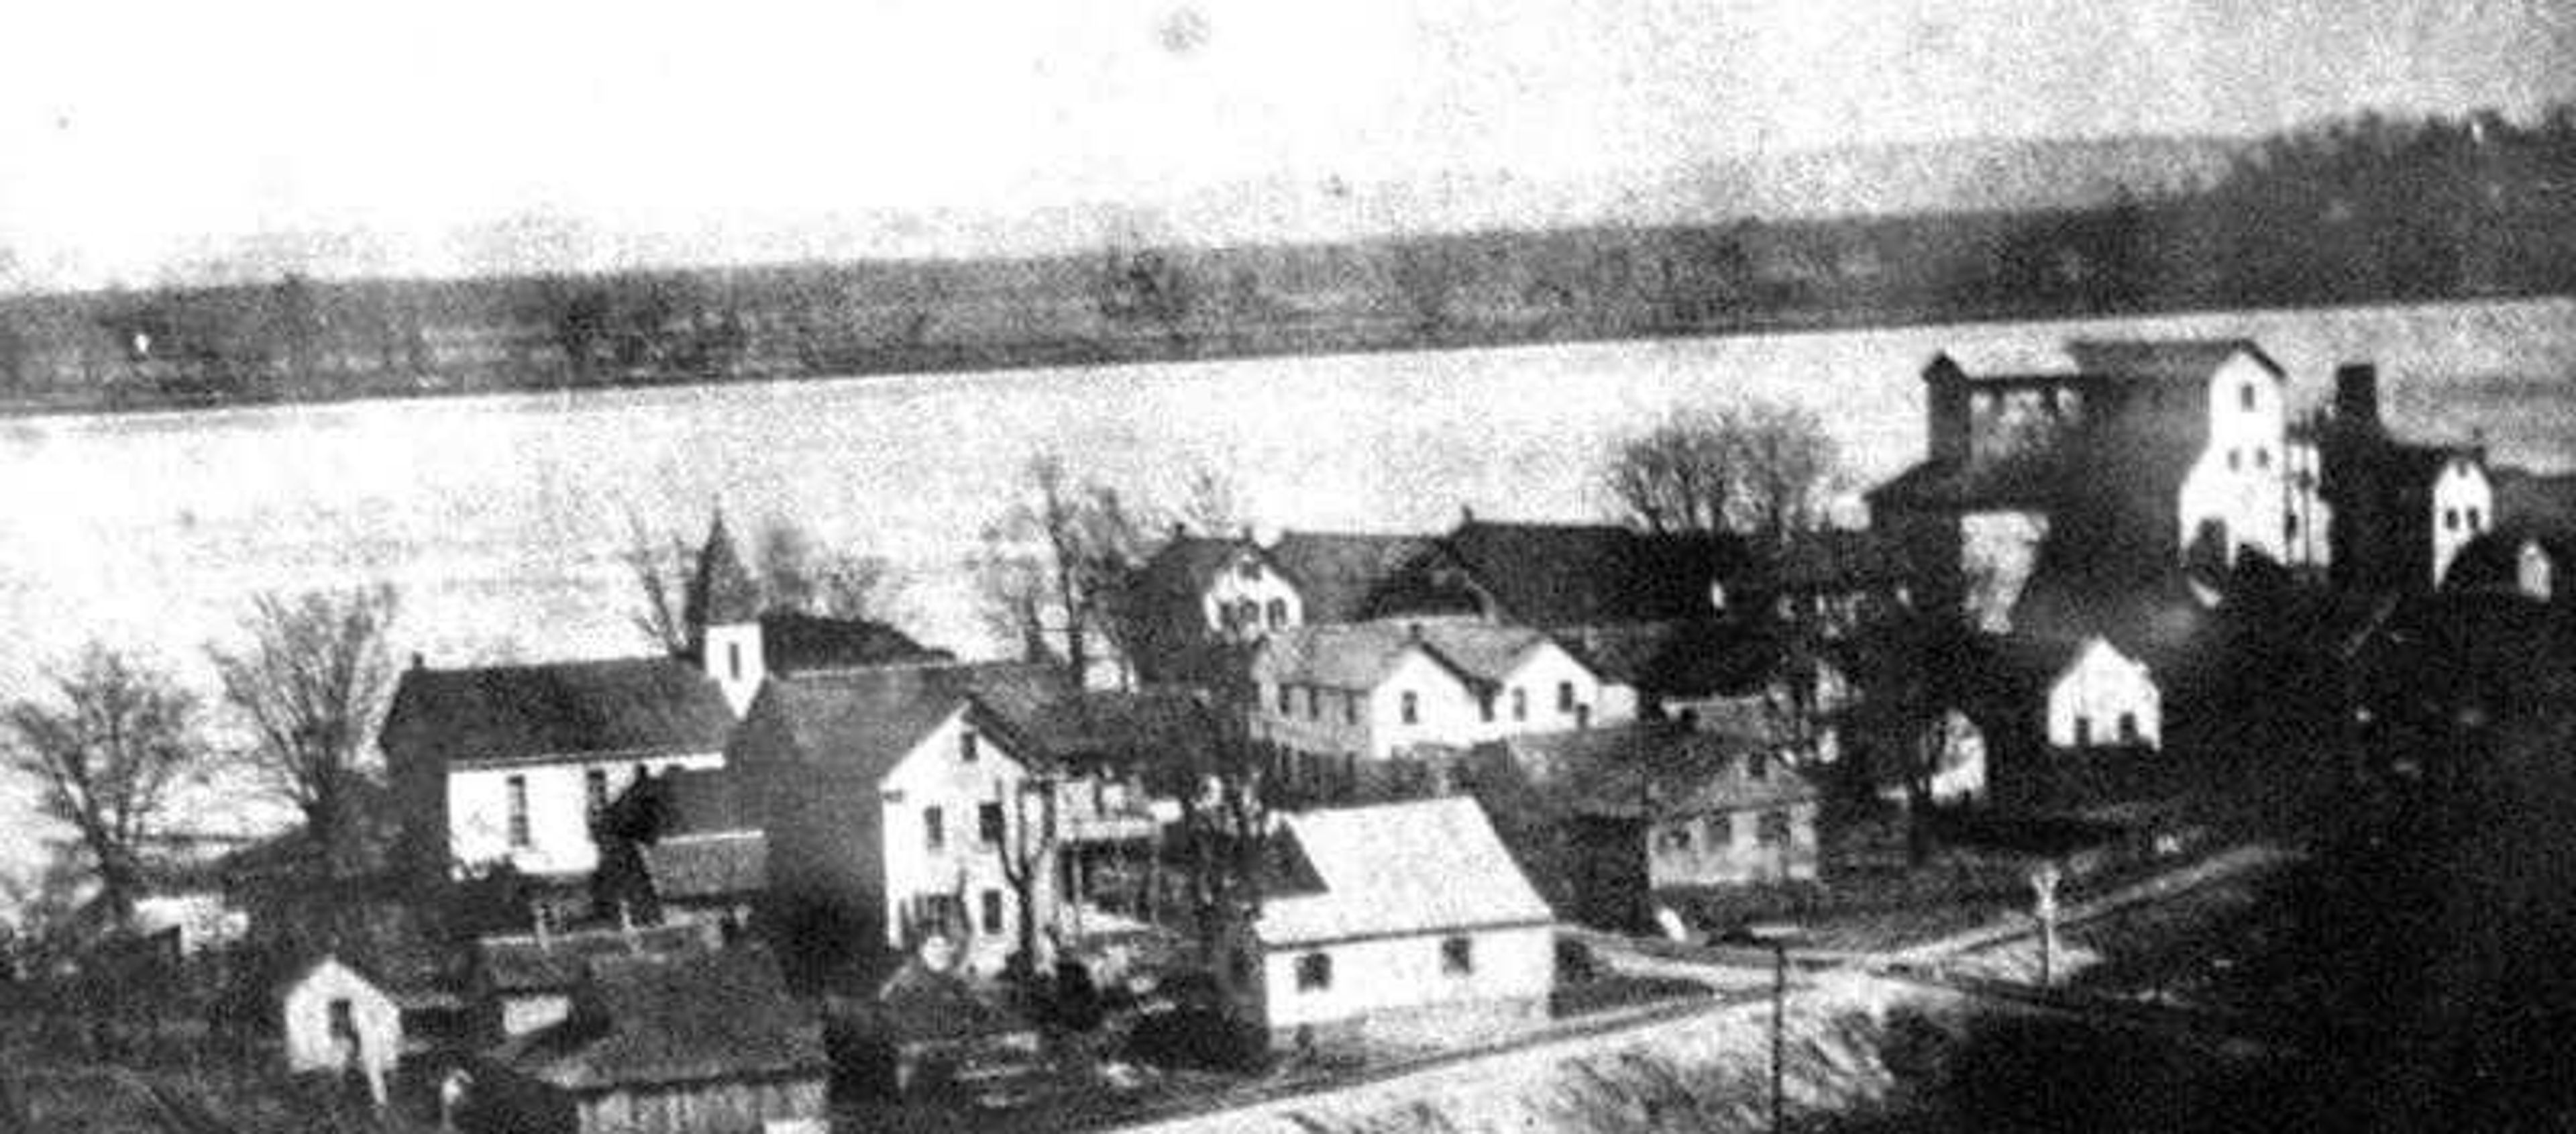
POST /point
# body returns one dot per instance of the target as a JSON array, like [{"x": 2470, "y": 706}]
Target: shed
[
  {"x": 707, "y": 1043},
  {"x": 337, "y": 1020}
]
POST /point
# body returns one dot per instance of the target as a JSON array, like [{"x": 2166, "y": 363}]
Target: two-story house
[
  {"x": 1332, "y": 697},
  {"x": 900, "y": 804}
]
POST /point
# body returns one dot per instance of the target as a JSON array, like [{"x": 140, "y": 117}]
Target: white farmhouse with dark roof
[
  {"x": 1333, "y": 696},
  {"x": 1393, "y": 921}
]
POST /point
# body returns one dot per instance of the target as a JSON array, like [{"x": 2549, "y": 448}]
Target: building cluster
[{"x": 1413, "y": 756}]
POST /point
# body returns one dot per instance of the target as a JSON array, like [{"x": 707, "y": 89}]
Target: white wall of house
[
  {"x": 961, "y": 862},
  {"x": 313, "y": 1044},
  {"x": 1997, "y": 551},
  {"x": 558, "y": 797},
  {"x": 525, "y": 1012},
  {"x": 1510, "y": 966},
  {"x": 2241, "y": 479},
  {"x": 1727, "y": 848},
  {"x": 2309, "y": 526},
  {"x": 1246, "y": 585},
  {"x": 734, "y": 659},
  {"x": 2463, "y": 507},
  {"x": 2097, "y": 690},
  {"x": 1547, "y": 690}
]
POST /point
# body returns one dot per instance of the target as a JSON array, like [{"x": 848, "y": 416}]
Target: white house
[
  {"x": 1332, "y": 696},
  {"x": 2239, "y": 487},
  {"x": 334, "y": 1019},
  {"x": 2463, "y": 508},
  {"x": 2100, "y": 697},
  {"x": 899, "y": 803},
  {"x": 1397, "y": 922}
]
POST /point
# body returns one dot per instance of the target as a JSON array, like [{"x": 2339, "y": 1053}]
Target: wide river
[{"x": 500, "y": 518}]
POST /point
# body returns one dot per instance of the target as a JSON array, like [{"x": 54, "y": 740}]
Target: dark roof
[
  {"x": 525, "y": 712},
  {"x": 1340, "y": 575},
  {"x": 1558, "y": 575},
  {"x": 1837, "y": 559},
  {"x": 661, "y": 1021},
  {"x": 793, "y": 642},
  {"x": 1656, "y": 770},
  {"x": 721, "y": 591},
  {"x": 2163, "y": 359},
  {"x": 865, "y": 721},
  {"x": 678, "y": 802},
  {"x": 1184, "y": 566},
  {"x": 2544, "y": 502},
  {"x": 521, "y": 965},
  {"x": 1123, "y": 729},
  {"x": 1693, "y": 658},
  {"x": 705, "y": 866}
]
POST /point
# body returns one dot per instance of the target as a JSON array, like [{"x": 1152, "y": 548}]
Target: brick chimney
[
  {"x": 2356, "y": 395},
  {"x": 1947, "y": 419}
]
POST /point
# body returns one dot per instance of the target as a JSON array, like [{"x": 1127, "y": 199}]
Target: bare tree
[
  {"x": 1763, "y": 469},
  {"x": 660, "y": 567},
  {"x": 316, "y": 672},
  {"x": 1906, "y": 662},
  {"x": 1678, "y": 476},
  {"x": 1059, "y": 563},
  {"x": 105, "y": 755},
  {"x": 1027, "y": 851},
  {"x": 798, "y": 573},
  {"x": 1210, "y": 504}
]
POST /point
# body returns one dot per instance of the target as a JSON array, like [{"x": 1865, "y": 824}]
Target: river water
[{"x": 500, "y": 517}]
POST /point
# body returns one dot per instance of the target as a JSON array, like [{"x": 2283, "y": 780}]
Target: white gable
[{"x": 2103, "y": 698}]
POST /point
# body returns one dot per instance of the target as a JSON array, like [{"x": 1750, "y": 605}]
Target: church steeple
[{"x": 723, "y": 615}]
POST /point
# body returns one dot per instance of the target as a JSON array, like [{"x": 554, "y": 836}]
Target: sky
[{"x": 150, "y": 140}]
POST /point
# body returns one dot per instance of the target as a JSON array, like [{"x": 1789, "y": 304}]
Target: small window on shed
[
  {"x": 1410, "y": 707},
  {"x": 2450, "y": 519},
  {"x": 2245, "y": 395},
  {"x": 1520, "y": 703},
  {"x": 967, "y": 746},
  {"x": 2476, "y": 520},
  {"x": 2128, "y": 728},
  {"x": 1314, "y": 972},
  {"x": 992, "y": 911},
  {"x": 988, "y": 824},
  {"x": 2083, "y": 732},
  {"x": 1278, "y": 613},
  {"x": 1457, "y": 955},
  {"x": 1565, "y": 696}
]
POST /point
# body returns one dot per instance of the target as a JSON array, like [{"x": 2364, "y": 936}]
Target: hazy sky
[{"x": 135, "y": 136}]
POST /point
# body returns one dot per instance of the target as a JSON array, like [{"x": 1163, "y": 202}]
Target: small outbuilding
[
  {"x": 706, "y": 1043},
  {"x": 339, "y": 1021}
]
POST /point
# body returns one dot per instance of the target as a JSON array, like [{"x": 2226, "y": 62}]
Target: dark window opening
[
  {"x": 2128, "y": 728},
  {"x": 520, "y": 835},
  {"x": 934, "y": 828},
  {"x": 988, "y": 823},
  {"x": 1457, "y": 956},
  {"x": 992, "y": 911},
  {"x": 1411, "y": 707},
  {"x": 1314, "y": 972}
]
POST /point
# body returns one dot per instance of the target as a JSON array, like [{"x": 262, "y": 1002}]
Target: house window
[
  {"x": 344, "y": 1021},
  {"x": 1278, "y": 613},
  {"x": 594, "y": 787},
  {"x": 2235, "y": 460},
  {"x": 1773, "y": 831},
  {"x": 2245, "y": 396},
  {"x": 966, "y": 746},
  {"x": 1677, "y": 838},
  {"x": 2262, "y": 457},
  {"x": 1520, "y": 703},
  {"x": 1411, "y": 707},
  {"x": 1248, "y": 614},
  {"x": 1314, "y": 702},
  {"x": 1565, "y": 696},
  {"x": 2450, "y": 519},
  {"x": 520, "y": 838},
  {"x": 1350, "y": 707},
  {"x": 1457, "y": 955},
  {"x": 1758, "y": 765},
  {"x": 992, "y": 911},
  {"x": 2083, "y": 732},
  {"x": 2474, "y": 520},
  {"x": 1314, "y": 972},
  {"x": 733, "y": 660},
  {"x": 988, "y": 823},
  {"x": 2128, "y": 728},
  {"x": 934, "y": 828},
  {"x": 1287, "y": 695},
  {"x": 1485, "y": 706}
]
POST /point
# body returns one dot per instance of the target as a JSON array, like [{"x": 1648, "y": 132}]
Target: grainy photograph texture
[{"x": 1334, "y": 567}]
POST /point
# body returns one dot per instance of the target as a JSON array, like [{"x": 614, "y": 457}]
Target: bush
[{"x": 1198, "y": 1039}]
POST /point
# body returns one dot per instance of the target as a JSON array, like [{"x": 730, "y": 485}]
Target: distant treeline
[{"x": 2360, "y": 210}]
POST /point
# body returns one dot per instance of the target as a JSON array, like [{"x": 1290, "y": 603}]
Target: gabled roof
[
  {"x": 793, "y": 642},
  {"x": 1122, "y": 729},
  {"x": 1694, "y": 658},
  {"x": 556, "y": 710},
  {"x": 2164, "y": 360},
  {"x": 646, "y": 1021},
  {"x": 677, "y": 802},
  {"x": 921, "y": 1005},
  {"x": 1428, "y": 866},
  {"x": 1340, "y": 575},
  {"x": 1359, "y": 655},
  {"x": 1838, "y": 559},
  {"x": 865, "y": 721},
  {"x": 1656, "y": 770},
  {"x": 2543, "y": 501},
  {"x": 1557, "y": 575}
]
